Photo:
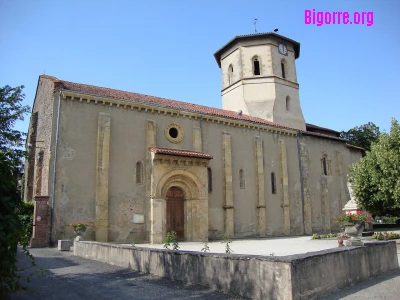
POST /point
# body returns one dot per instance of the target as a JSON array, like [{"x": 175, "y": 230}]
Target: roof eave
[{"x": 296, "y": 45}]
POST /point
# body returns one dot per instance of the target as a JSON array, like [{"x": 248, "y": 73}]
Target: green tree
[
  {"x": 376, "y": 177},
  {"x": 12, "y": 110},
  {"x": 362, "y": 136},
  {"x": 11, "y": 227}
]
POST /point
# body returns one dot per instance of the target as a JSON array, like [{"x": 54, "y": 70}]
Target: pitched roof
[
  {"x": 355, "y": 147},
  {"x": 178, "y": 152},
  {"x": 167, "y": 103},
  {"x": 159, "y": 102},
  {"x": 322, "y": 130},
  {"x": 296, "y": 45},
  {"x": 312, "y": 126}
]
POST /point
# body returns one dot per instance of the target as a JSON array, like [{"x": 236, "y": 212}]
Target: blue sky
[{"x": 348, "y": 74}]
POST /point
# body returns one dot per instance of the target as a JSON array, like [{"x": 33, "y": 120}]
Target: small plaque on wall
[{"x": 138, "y": 219}]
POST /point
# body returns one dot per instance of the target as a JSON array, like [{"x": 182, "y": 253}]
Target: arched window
[
  {"x": 283, "y": 68},
  {"x": 256, "y": 66},
  {"x": 287, "y": 103},
  {"x": 326, "y": 165},
  {"x": 209, "y": 177},
  {"x": 139, "y": 172},
  {"x": 241, "y": 179},
  {"x": 273, "y": 183},
  {"x": 230, "y": 74}
]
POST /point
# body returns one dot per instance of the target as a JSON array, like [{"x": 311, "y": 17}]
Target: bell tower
[{"x": 259, "y": 78}]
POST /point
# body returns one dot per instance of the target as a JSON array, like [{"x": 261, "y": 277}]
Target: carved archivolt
[{"x": 186, "y": 181}]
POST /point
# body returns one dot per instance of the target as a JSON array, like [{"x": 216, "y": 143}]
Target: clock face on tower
[{"x": 282, "y": 49}]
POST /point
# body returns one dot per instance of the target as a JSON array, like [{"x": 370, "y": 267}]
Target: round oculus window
[{"x": 174, "y": 133}]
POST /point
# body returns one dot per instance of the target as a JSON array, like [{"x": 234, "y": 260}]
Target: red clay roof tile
[
  {"x": 162, "y": 102},
  {"x": 167, "y": 103},
  {"x": 187, "y": 153},
  {"x": 355, "y": 147}
]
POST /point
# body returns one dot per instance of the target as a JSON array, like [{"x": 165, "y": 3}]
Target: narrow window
[
  {"x": 209, "y": 173},
  {"x": 241, "y": 179},
  {"x": 40, "y": 158},
  {"x": 283, "y": 69},
  {"x": 273, "y": 183},
  {"x": 230, "y": 74},
  {"x": 324, "y": 167},
  {"x": 287, "y": 103},
  {"x": 139, "y": 172},
  {"x": 256, "y": 67}
]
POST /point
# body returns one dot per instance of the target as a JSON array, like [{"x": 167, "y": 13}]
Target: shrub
[
  {"x": 205, "y": 248},
  {"x": 26, "y": 218},
  {"x": 227, "y": 241},
  {"x": 381, "y": 236},
  {"x": 13, "y": 230},
  {"x": 80, "y": 225},
  {"x": 323, "y": 236},
  {"x": 389, "y": 220}
]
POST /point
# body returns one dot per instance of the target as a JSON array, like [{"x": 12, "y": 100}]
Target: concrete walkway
[{"x": 278, "y": 246}]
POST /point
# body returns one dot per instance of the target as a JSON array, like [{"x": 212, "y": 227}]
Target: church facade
[{"x": 139, "y": 166}]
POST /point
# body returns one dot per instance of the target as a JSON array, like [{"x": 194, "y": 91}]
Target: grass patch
[{"x": 389, "y": 236}]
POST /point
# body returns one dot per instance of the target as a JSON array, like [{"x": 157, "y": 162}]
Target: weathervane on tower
[{"x": 255, "y": 25}]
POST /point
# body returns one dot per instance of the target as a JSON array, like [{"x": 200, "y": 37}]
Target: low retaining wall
[
  {"x": 383, "y": 226},
  {"x": 302, "y": 276}
]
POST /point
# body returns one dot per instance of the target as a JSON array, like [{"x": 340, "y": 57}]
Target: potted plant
[
  {"x": 80, "y": 227},
  {"x": 354, "y": 224}
]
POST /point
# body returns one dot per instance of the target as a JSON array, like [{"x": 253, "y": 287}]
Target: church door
[{"x": 175, "y": 214}]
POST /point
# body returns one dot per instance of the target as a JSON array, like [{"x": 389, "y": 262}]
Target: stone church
[{"x": 139, "y": 166}]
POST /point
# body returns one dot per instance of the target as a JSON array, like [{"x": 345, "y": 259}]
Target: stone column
[
  {"x": 151, "y": 135},
  {"x": 261, "y": 207},
  {"x": 284, "y": 186},
  {"x": 30, "y": 176},
  {"x": 196, "y": 220},
  {"x": 158, "y": 220},
  {"x": 197, "y": 142},
  {"x": 305, "y": 164},
  {"x": 227, "y": 184},
  {"x": 325, "y": 205},
  {"x": 40, "y": 234},
  {"x": 103, "y": 156},
  {"x": 39, "y": 174},
  {"x": 341, "y": 179}
]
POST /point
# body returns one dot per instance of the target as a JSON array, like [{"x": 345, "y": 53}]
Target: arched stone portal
[
  {"x": 188, "y": 175},
  {"x": 175, "y": 212}
]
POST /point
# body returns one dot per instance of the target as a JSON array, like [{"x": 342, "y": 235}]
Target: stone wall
[
  {"x": 240, "y": 210},
  {"x": 252, "y": 209},
  {"x": 40, "y": 234},
  {"x": 324, "y": 194},
  {"x": 40, "y": 135},
  {"x": 297, "y": 277}
]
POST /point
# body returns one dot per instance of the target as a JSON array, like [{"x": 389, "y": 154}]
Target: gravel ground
[{"x": 64, "y": 276}]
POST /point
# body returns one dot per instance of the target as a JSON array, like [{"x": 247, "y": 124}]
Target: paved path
[
  {"x": 65, "y": 276},
  {"x": 383, "y": 287}
]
